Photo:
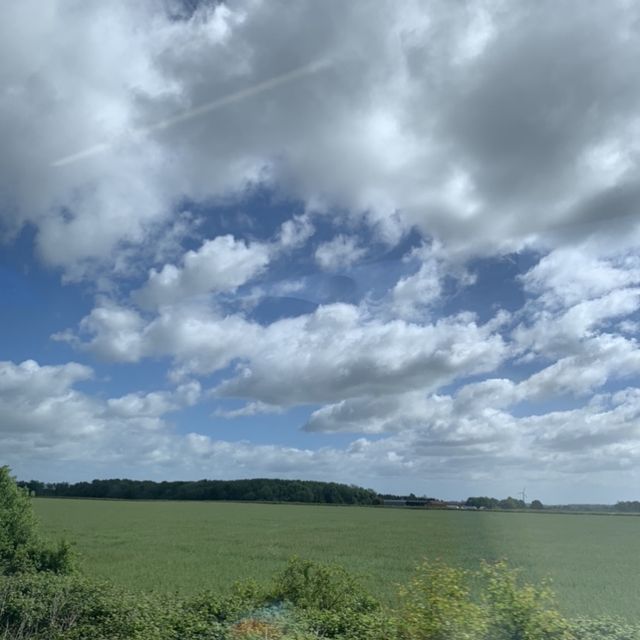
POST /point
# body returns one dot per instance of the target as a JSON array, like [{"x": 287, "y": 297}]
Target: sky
[{"x": 389, "y": 244}]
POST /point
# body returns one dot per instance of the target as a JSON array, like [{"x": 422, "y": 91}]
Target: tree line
[
  {"x": 258, "y": 489},
  {"x": 631, "y": 506},
  {"x": 278, "y": 490},
  {"x": 484, "y": 502}
]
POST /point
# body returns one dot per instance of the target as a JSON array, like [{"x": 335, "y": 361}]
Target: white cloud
[
  {"x": 441, "y": 437},
  {"x": 556, "y": 334},
  {"x": 601, "y": 358},
  {"x": 339, "y": 253},
  {"x": 474, "y": 415},
  {"x": 155, "y": 403},
  {"x": 29, "y": 381},
  {"x": 415, "y": 293},
  {"x": 572, "y": 275},
  {"x": 135, "y": 404},
  {"x": 219, "y": 265},
  {"x": 295, "y": 232},
  {"x": 437, "y": 435},
  {"x": 452, "y": 123},
  {"x": 44, "y": 417},
  {"x": 249, "y": 409},
  {"x": 116, "y": 332},
  {"x": 299, "y": 360}
]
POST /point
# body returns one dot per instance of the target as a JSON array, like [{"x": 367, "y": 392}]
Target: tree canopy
[
  {"x": 21, "y": 549},
  {"x": 258, "y": 489}
]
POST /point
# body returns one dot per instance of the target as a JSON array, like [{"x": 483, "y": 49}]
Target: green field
[{"x": 594, "y": 561}]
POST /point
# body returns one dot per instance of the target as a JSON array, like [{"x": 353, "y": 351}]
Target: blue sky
[{"x": 236, "y": 246}]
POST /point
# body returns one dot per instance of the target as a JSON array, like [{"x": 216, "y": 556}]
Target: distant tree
[
  {"x": 536, "y": 504},
  {"x": 482, "y": 502},
  {"x": 266, "y": 489},
  {"x": 511, "y": 503},
  {"x": 628, "y": 507},
  {"x": 34, "y": 487}
]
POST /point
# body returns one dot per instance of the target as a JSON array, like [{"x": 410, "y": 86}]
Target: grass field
[{"x": 594, "y": 561}]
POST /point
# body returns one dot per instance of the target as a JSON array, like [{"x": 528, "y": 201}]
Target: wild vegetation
[
  {"x": 304, "y": 601},
  {"x": 22, "y": 550}
]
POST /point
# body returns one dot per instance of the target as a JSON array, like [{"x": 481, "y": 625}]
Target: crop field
[{"x": 593, "y": 561}]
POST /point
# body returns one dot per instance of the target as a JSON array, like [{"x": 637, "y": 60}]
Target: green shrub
[
  {"x": 604, "y": 628},
  {"x": 46, "y": 606},
  {"x": 518, "y": 611},
  {"x": 331, "y": 602},
  {"x": 54, "y": 607},
  {"x": 215, "y": 608},
  {"x": 437, "y": 605},
  {"x": 311, "y": 585},
  {"x": 21, "y": 549}
]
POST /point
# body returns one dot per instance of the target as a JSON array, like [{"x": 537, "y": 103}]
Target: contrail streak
[{"x": 261, "y": 87}]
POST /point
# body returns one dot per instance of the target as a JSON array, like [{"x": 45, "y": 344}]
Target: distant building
[
  {"x": 427, "y": 503},
  {"x": 393, "y": 502}
]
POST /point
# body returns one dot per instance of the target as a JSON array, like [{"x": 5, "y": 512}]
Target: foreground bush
[
  {"x": 21, "y": 548},
  {"x": 519, "y": 611},
  {"x": 437, "y": 604},
  {"x": 608, "y": 628},
  {"x": 306, "y": 602},
  {"x": 46, "y": 606},
  {"x": 331, "y": 603},
  {"x": 53, "y": 607}
]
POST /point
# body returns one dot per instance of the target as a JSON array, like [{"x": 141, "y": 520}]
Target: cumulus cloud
[
  {"x": 115, "y": 330},
  {"x": 155, "y": 403},
  {"x": 299, "y": 360},
  {"x": 482, "y": 411},
  {"x": 415, "y": 293},
  {"x": 472, "y": 414},
  {"x": 453, "y": 122},
  {"x": 219, "y": 265},
  {"x": 339, "y": 253},
  {"x": 564, "y": 332},
  {"x": 460, "y": 436},
  {"x": 295, "y": 232},
  {"x": 439, "y": 434},
  {"x": 44, "y": 419},
  {"x": 42, "y": 414},
  {"x": 249, "y": 409},
  {"x": 571, "y": 275}
]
